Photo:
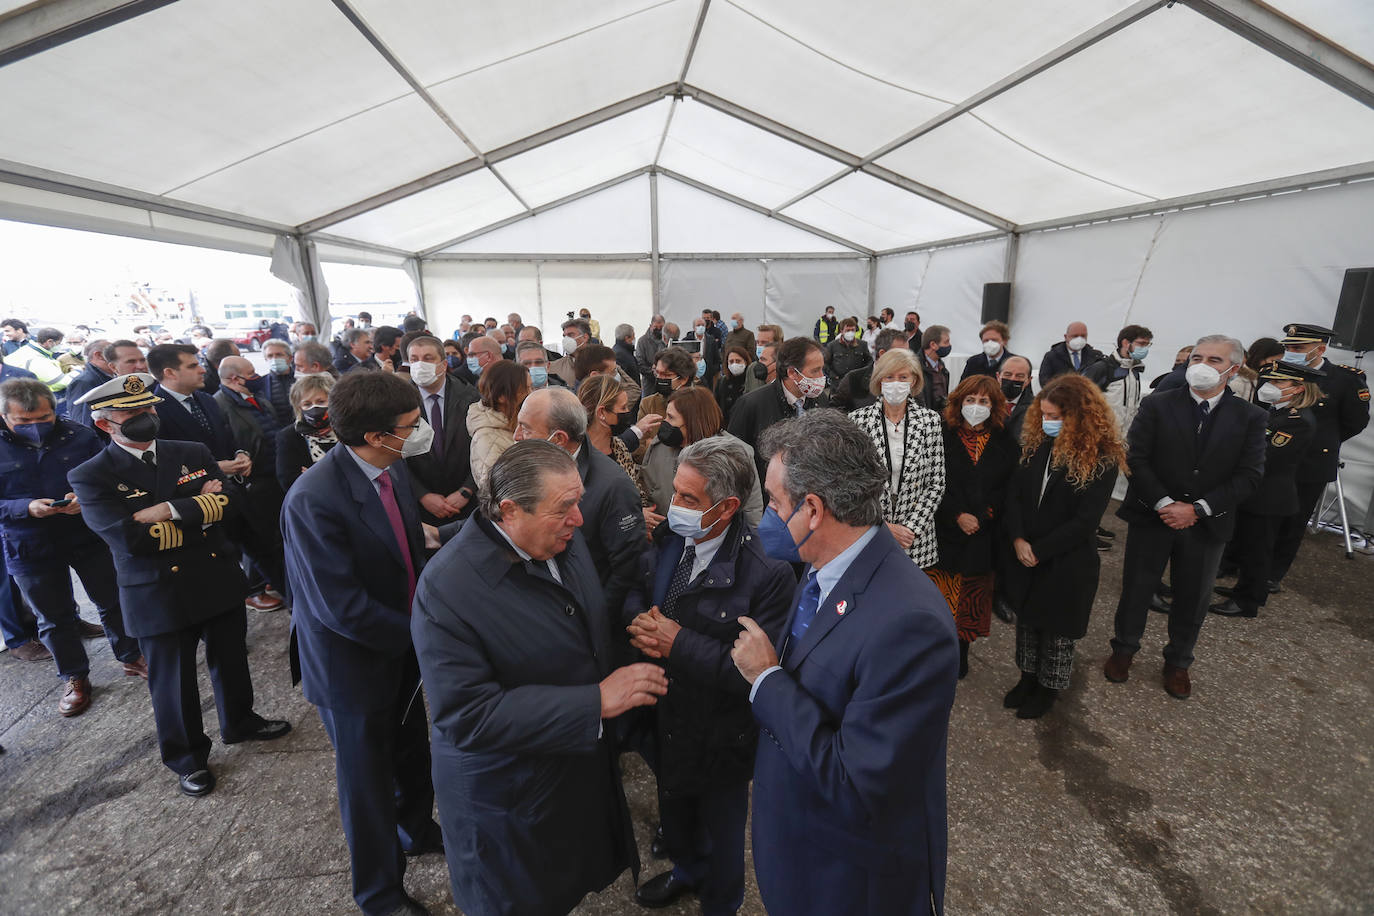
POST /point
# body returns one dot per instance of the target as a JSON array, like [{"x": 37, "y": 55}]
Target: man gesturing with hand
[{"x": 514, "y": 641}]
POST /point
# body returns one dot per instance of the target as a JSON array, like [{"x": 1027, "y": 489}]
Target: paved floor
[{"x": 1252, "y": 797}]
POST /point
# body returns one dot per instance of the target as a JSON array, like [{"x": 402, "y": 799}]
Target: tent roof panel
[
  {"x": 329, "y": 168},
  {"x": 523, "y": 95},
  {"x": 588, "y": 157},
  {"x": 1348, "y": 24},
  {"x": 737, "y": 157},
  {"x": 430, "y": 217},
  {"x": 613, "y": 220},
  {"x": 880, "y": 215},
  {"x": 1176, "y": 105},
  {"x": 184, "y": 90},
  {"x": 693, "y": 221}
]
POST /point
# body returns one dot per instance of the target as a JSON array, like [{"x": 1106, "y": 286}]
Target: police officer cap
[
  {"x": 1297, "y": 333},
  {"x": 123, "y": 392},
  {"x": 1291, "y": 372}
]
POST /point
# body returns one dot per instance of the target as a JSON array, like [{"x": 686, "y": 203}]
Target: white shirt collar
[
  {"x": 829, "y": 575},
  {"x": 137, "y": 452},
  {"x": 1211, "y": 402},
  {"x": 524, "y": 555},
  {"x": 706, "y": 551}
]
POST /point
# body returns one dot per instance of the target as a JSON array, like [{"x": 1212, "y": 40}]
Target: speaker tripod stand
[{"x": 1324, "y": 506}]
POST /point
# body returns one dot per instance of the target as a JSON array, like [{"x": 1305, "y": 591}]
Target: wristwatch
[{"x": 1198, "y": 508}]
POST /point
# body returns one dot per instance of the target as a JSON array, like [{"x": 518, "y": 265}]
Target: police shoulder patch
[
  {"x": 1362, "y": 394},
  {"x": 1280, "y": 439}
]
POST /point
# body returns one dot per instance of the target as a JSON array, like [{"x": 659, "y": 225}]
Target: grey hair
[
  {"x": 496, "y": 335},
  {"x": 350, "y": 337},
  {"x": 725, "y": 463},
  {"x": 526, "y": 346},
  {"x": 96, "y": 346},
  {"x": 26, "y": 394},
  {"x": 1237, "y": 348},
  {"x": 277, "y": 342},
  {"x": 566, "y": 413},
  {"x": 624, "y": 330},
  {"x": 825, "y": 454},
  {"x": 518, "y": 475}
]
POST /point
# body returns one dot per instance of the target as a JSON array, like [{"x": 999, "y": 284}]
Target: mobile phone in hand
[{"x": 59, "y": 503}]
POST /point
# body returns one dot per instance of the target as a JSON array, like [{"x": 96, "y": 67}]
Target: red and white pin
[{"x": 841, "y": 608}]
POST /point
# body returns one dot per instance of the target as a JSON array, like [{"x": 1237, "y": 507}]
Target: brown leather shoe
[
  {"x": 76, "y": 697},
  {"x": 263, "y": 602},
  {"x": 1118, "y": 667},
  {"x": 1176, "y": 683},
  {"x": 31, "y": 651},
  {"x": 136, "y": 668},
  {"x": 87, "y": 630}
]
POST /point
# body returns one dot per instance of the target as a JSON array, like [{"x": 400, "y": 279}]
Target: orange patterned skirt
[{"x": 970, "y": 600}]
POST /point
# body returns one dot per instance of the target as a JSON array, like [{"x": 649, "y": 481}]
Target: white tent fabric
[
  {"x": 796, "y": 293},
  {"x": 297, "y": 264},
  {"x": 730, "y": 286}
]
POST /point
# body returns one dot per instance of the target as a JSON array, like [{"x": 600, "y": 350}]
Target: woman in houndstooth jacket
[{"x": 910, "y": 440}]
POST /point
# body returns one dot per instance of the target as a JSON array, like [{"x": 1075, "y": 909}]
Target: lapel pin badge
[{"x": 841, "y": 608}]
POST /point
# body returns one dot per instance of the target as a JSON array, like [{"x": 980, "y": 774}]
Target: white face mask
[
  {"x": 850, "y": 335},
  {"x": 1078, "y": 343},
  {"x": 1202, "y": 377},
  {"x": 418, "y": 442},
  {"x": 1269, "y": 393},
  {"x": 569, "y": 345},
  {"x": 687, "y": 522},
  {"x": 895, "y": 393},
  {"x": 736, "y": 368},
  {"x": 424, "y": 374},
  {"x": 992, "y": 349},
  {"x": 975, "y": 413},
  {"x": 810, "y": 387}
]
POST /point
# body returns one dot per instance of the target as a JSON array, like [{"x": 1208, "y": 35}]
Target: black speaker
[
  {"x": 996, "y": 301},
  {"x": 1354, "y": 324}
]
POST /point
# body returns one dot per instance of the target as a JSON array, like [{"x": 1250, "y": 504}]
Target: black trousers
[
  {"x": 49, "y": 592},
  {"x": 258, "y": 533},
  {"x": 1194, "y": 558},
  {"x": 386, "y": 793},
  {"x": 1293, "y": 527},
  {"x": 172, "y": 682},
  {"x": 1253, "y": 549},
  {"x": 704, "y": 836}
]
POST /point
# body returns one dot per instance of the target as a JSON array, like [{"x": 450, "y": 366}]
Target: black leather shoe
[
  {"x": 1165, "y": 591},
  {"x": 1229, "y": 608},
  {"x": 1018, "y": 694},
  {"x": 1274, "y": 587},
  {"x": 1104, "y": 533},
  {"x": 658, "y": 849},
  {"x": 199, "y": 783},
  {"x": 1225, "y": 591},
  {"x": 1003, "y": 610},
  {"x": 265, "y": 730},
  {"x": 1038, "y": 703},
  {"x": 1158, "y": 604},
  {"x": 661, "y": 891},
  {"x": 1103, "y": 545}
]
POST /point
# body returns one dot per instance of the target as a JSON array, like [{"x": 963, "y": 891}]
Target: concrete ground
[{"x": 1254, "y": 796}]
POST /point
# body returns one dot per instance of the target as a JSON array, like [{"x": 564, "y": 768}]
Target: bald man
[{"x": 1072, "y": 354}]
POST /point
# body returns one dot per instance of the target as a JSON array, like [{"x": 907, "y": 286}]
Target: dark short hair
[
  {"x": 933, "y": 334},
  {"x": 412, "y": 323},
  {"x": 352, "y": 335},
  {"x": 677, "y": 361},
  {"x": 1260, "y": 350},
  {"x": 111, "y": 351},
  {"x": 163, "y": 356},
  {"x": 385, "y": 336},
  {"x": 737, "y": 351},
  {"x": 43, "y": 334},
  {"x": 28, "y": 394},
  {"x": 701, "y": 416},
  {"x": 792, "y": 353},
  {"x": 580, "y": 323},
  {"x": 1132, "y": 332},
  {"x": 16, "y": 324},
  {"x": 366, "y": 316},
  {"x": 824, "y": 453},
  {"x": 217, "y": 351},
  {"x": 887, "y": 339},
  {"x": 589, "y": 359},
  {"x": 428, "y": 340},
  {"x": 369, "y": 402},
  {"x": 315, "y": 352}
]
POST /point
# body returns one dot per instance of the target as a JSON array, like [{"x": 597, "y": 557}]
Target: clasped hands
[{"x": 1178, "y": 515}]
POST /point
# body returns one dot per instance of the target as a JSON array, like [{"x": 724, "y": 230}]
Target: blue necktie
[
  {"x": 682, "y": 577},
  {"x": 1203, "y": 409},
  {"x": 806, "y": 608}
]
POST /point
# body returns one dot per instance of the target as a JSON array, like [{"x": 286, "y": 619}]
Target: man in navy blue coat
[
  {"x": 853, "y": 702},
  {"x": 354, "y": 549}
]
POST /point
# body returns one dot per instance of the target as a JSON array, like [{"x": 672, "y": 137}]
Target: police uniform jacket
[
  {"x": 1289, "y": 438},
  {"x": 175, "y": 573},
  {"x": 1341, "y": 414},
  {"x": 28, "y": 473},
  {"x": 705, "y": 728}
]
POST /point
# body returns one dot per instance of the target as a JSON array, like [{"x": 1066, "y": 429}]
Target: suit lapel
[
  {"x": 369, "y": 503},
  {"x": 1185, "y": 418},
  {"x": 842, "y": 601}
]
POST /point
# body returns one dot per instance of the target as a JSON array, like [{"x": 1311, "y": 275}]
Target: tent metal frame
[{"x": 38, "y": 27}]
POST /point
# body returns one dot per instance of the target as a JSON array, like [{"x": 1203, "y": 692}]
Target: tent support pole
[
  {"x": 656, "y": 281},
  {"x": 872, "y": 285}
]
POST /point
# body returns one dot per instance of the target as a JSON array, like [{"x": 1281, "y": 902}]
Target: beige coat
[{"x": 491, "y": 435}]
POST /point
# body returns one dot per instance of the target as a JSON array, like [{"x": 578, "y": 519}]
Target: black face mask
[
  {"x": 670, "y": 436},
  {"x": 760, "y": 371},
  {"x": 622, "y": 423},
  {"x": 657, "y": 333},
  {"x": 663, "y": 386},
  {"x": 944, "y": 351},
  {"x": 1012, "y": 389},
  {"x": 142, "y": 428},
  {"x": 315, "y": 417},
  {"x": 910, "y": 327}
]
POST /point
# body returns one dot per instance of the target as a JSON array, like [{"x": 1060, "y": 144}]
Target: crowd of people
[{"x": 749, "y": 558}]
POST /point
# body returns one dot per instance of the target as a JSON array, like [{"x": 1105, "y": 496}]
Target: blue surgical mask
[
  {"x": 1051, "y": 427},
  {"x": 539, "y": 376},
  {"x": 278, "y": 366},
  {"x": 687, "y": 522},
  {"x": 474, "y": 366},
  {"x": 758, "y": 352},
  {"x": 34, "y": 434},
  {"x": 1140, "y": 353},
  {"x": 1296, "y": 357},
  {"x": 776, "y": 539},
  {"x": 701, "y": 368}
]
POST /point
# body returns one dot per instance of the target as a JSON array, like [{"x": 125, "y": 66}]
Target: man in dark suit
[
  {"x": 935, "y": 346},
  {"x": 625, "y": 352},
  {"x": 852, "y": 391},
  {"x": 800, "y": 386},
  {"x": 442, "y": 477},
  {"x": 1072, "y": 354},
  {"x": 159, "y": 505},
  {"x": 705, "y": 570},
  {"x": 1342, "y": 414},
  {"x": 854, "y": 699},
  {"x": 1014, "y": 377},
  {"x": 275, "y": 386},
  {"x": 96, "y": 373},
  {"x": 354, "y": 550},
  {"x": 355, "y": 351},
  {"x": 188, "y": 414},
  {"x": 1195, "y": 455},
  {"x": 515, "y": 643},
  {"x": 994, "y": 338}
]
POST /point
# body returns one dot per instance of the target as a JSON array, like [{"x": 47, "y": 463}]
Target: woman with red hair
[{"x": 1071, "y": 454}]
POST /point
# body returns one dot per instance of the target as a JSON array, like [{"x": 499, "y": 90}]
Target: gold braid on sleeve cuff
[
  {"x": 211, "y": 506},
  {"x": 168, "y": 535}
]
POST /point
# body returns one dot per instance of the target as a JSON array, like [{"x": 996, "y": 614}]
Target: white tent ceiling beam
[
  {"x": 360, "y": 245},
  {"x": 681, "y": 82},
  {"x": 944, "y": 243},
  {"x": 760, "y": 209},
  {"x": 509, "y": 150},
  {"x": 537, "y": 258},
  {"x": 41, "y": 26},
  {"x": 542, "y": 208},
  {"x": 1290, "y": 41},
  {"x": 648, "y": 256}
]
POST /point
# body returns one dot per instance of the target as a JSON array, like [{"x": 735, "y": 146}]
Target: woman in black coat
[
  {"x": 979, "y": 458},
  {"x": 306, "y": 441},
  {"x": 1071, "y": 454},
  {"x": 730, "y": 385}
]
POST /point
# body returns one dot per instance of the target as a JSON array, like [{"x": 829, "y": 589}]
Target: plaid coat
[{"x": 922, "y": 484}]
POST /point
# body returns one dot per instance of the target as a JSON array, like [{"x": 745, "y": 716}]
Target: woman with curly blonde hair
[{"x": 1070, "y": 457}]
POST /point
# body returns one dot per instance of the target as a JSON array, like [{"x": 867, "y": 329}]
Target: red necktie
[
  {"x": 252, "y": 400},
  {"x": 398, "y": 530}
]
